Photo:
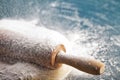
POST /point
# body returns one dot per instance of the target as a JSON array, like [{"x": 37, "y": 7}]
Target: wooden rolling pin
[{"x": 41, "y": 46}]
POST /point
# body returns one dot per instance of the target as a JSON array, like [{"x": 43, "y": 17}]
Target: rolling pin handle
[{"x": 88, "y": 65}]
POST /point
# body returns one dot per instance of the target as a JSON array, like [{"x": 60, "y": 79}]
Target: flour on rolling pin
[
  {"x": 27, "y": 42},
  {"x": 41, "y": 46}
]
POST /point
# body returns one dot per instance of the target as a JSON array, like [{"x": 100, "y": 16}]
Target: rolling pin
[{"x": 41, "y": 46}]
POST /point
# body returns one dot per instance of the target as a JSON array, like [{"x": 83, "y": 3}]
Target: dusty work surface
[{"x": 26, "y": 71}]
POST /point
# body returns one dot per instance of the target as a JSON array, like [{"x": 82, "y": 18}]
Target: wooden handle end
[{"x": 88, "y": 65}]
